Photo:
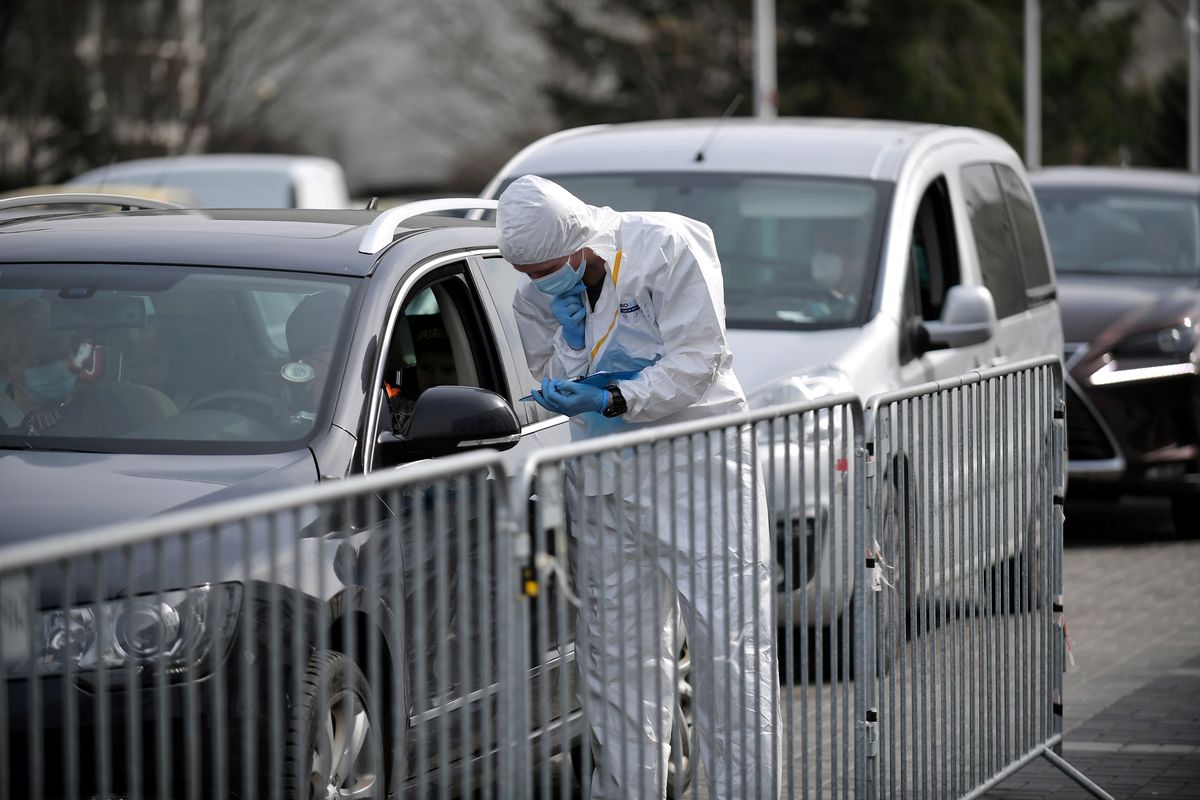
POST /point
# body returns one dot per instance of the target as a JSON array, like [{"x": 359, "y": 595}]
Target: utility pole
[
  {"x": 1033, "y": 84},
  {"x": 766, "y": 90},
  {"x": 1193, "y": 88}
]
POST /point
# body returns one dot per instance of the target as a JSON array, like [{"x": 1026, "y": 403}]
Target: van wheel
[
  {"x": 334, "y": 747},
  {"x": 896, "y": 533}
]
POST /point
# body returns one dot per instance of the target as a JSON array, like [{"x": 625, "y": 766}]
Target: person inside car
[{"x": 38, "y": 373}]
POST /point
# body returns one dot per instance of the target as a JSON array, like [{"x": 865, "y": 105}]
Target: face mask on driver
[
  {"x": 562, "y": 280},
  {"x": 827, "y": 269},
  {"x": 49, "y": 383}
]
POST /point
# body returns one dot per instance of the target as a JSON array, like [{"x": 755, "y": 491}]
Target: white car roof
[
  {"x": 804, "y": 146},
  {"x": 214, "y": 161}
]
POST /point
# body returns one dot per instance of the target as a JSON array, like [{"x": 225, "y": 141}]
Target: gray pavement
[{"x": 1132, "y": 700}]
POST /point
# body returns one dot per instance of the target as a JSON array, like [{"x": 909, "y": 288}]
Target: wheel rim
[
  {"x": 345, "y": 751},
  {"x": 679, "y": 766}
]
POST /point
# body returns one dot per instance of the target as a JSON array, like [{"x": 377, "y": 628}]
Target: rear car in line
[{"x": 1126, "y": 246}]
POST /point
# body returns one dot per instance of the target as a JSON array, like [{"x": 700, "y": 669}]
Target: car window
[
  {"x": 796, "y": 251},
  {"x": 1035, "y": 264},
  {"x": 1115, "y": 231},
  {"x": 142, "y": 358},
  {"x": 933, "y": 252},
  {"x": 431, "y": 344},
  {"x": 999, "y": 261}
]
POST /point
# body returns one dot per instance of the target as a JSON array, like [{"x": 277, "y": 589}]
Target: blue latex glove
[
  {"x": 568, "y": 309},
  {"x": 571, "y": 397}
]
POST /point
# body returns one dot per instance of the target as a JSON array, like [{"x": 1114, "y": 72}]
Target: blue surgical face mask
[
  {"x": 562, "y": 280},
  {"x": 49, "y": 383}
]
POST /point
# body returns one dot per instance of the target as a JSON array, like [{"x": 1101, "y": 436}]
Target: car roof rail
[
  {"x": 125, "y": 202},
  {"x": 383, "y": 230}
]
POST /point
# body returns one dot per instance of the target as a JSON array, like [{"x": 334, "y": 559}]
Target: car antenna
[
  {"x": 716, "y": 126},
  {"x": 372, "y": 204}
]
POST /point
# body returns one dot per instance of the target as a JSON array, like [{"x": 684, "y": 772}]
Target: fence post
[{"x": 866, "y": 745}]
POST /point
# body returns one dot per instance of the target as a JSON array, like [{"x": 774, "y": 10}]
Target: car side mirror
[
  {"x": 968, "y": 318},
  {"x": 452, "y": 419}
]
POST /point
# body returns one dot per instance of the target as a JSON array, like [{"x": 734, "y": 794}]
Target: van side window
[
  {"x": 1035, "y": 264},
  {"x": 933, "y": 254},
  {"x": 999, "y": 261},
  {"x": 932, "y": 258}
]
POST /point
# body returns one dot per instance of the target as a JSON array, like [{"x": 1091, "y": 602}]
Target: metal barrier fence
[
  {"x": 754, "y": 606},
  {"x": 324, "y": 643},
  {"x": 711, "y": 567},
  {"x": 966, "y": 496}
]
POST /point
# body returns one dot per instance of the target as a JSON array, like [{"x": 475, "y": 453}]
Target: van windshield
[
  {"x": 118, "y": 358},
  {"x": 796, "y": 251}
]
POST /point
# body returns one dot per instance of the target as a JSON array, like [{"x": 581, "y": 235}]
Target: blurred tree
[
  {"x": 43, "y": 106},
  {"x": 958, "y": 62},
  {"x": 1089, "y": 114},
  {"x": 645, "y": 59},
  {"x": 92, "y": 81},
  {"x": 1166, "y": 144}
]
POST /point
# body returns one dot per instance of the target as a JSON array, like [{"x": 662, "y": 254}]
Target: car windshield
[
  {"x": 796, "y": 251},
  {"x": 123, "y": 359},
  {"x": 1101, "y": 230}
]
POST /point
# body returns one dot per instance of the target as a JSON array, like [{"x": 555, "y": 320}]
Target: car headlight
[
  {"x": 178, "y": 628},
  {"x": 1153, "y": 355},
  {"x": 1177, "y": 341},
  {"x": 811, "y": 386}
]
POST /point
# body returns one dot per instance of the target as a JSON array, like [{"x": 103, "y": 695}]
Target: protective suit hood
[{"x": 537, "y": 220}]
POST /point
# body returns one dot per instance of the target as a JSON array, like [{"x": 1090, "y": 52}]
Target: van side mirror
[
  {"x": 452, "y": 419},
  {"x": 968, "y": 318}
]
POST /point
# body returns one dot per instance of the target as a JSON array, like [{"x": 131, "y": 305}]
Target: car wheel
[
  {"x": 896, "y": 534},
  {"x": 680, "y": 765},
  {"x": 1185, "y": 513},
  {"x": 334, "y": 746}
]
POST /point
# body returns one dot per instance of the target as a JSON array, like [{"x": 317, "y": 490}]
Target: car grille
[
  {"x": 1085, "y": 437},
  {"x": 788, "y": 556}
]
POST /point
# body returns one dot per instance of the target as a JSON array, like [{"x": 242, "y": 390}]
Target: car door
[
  {"x": 447, "y": 569},
  {"x": 934, "y": 266},
  {"x": 1010, "y": 253},
  {"x": 552, "y": 623}
]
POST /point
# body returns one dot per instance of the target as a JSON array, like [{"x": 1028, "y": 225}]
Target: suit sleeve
[
  {"x": 546, "y": 351},
  {"x": 689, "y": 306}
]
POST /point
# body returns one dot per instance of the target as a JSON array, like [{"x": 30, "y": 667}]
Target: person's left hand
[{"x": 571, "y": 398}]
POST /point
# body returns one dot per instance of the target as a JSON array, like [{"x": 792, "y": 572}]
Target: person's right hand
[{"x": 568, "y": 309}]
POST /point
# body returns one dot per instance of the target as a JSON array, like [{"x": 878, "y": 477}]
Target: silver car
[{"x": 858, "y": 256}]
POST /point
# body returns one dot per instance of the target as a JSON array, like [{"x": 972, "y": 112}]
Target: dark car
[
  {"x": 158, "y": 359},
  {"x": 1126, "y": 247}
]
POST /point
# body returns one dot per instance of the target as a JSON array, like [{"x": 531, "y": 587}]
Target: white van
[
  {"x": 221, "y": 180},
  {"x": 858, "y": 256}
]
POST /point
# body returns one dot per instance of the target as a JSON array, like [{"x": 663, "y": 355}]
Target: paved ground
[{"x": 1132, "y": 716}]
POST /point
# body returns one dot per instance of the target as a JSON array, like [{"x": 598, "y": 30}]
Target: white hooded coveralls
[{"x": 695, "y": 538}]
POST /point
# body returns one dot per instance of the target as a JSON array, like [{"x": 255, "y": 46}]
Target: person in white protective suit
[{"x": 639, "y": 296}]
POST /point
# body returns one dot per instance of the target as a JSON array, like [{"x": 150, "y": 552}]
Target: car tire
[{"x": 333, "y": 746}]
